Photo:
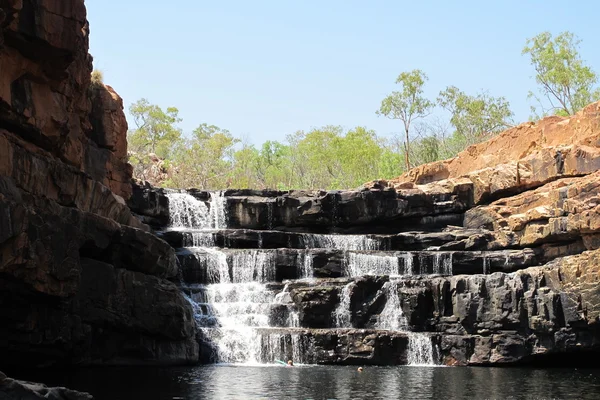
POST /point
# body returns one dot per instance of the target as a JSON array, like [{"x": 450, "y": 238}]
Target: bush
[{"x": 97, "y": 78}]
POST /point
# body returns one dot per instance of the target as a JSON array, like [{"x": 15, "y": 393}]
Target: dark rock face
[
  {"x": 360, "y": 211},
  {"x": 82, "y": 281},
  {"x": 14, "y": 389}
]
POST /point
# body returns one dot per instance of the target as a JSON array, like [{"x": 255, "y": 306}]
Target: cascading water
[
  {"x": 340, "y": 242},
  {"x": 486, "y": 265},
  {"x": 247, "y": 318},
  {"x": 202, "y": 239},
  {"x": 420, "y": 347},
  {"x": 186, "y": 211},
  {"x": 234, "y": 310},
  {"x": 343, "y": 312},
  {"x": 442, "y": 263},
  {"x": 358, "y": 264},
  {"x": 307, "y": 266},
  {"x": 218, "y": 210},
  {"x": 392, "y": 317}
]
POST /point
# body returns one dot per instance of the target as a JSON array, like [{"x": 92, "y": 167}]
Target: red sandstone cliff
[{"x": 81, "y": 279}]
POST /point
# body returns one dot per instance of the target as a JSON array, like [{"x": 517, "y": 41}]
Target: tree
[
  {"x": 206, "y": 160},
  {"x": 155, "y": 129},
  {"x": 566, "y": 82},
  {"x": 358, "y": 153},
  {"x": 407, "y": 104},
  {"x": 475, "y": 118}
]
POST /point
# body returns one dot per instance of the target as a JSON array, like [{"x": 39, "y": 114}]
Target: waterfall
[
  {"x": 358, "y": 264},
  {"x": 217, "y": 268},
  {"x": 392, "y": 317},
  {"x": 339, "y": 242},
  {"x": 237, "y": 266},
  {"x": 307, "y": 266},
  {"x": 486, "y": 265},
  {"x": 203, "y": 239},
  {"x": 442, "y": 263},
  {"x": 232, "y": 311},
  {"x": 253, "y": 265},
  {"x": 420, "y": 349},
  {"x": 239, "y": 309},
  {"x": 186, "y": 211},
  {"x": 218, "y": 210},
  {"x": 343, "y": 312},
  {"x": 285, "y": 346}
]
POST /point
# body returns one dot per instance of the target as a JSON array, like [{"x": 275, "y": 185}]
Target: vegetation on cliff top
[{"x": 331, "y": 157}]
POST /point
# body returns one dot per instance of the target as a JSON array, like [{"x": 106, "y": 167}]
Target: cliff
[{"x": 78, "y": 283}]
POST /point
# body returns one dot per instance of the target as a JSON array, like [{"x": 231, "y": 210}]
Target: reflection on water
[{"x": 328, "y": 382}]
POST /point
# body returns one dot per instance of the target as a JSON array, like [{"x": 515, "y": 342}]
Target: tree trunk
[{"x": 406, "y": 150}]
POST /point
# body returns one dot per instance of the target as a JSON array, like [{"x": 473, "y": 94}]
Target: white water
[
  {"x": 486, "y": 265},
  {"x": 343, "y": 313},
  {"x": 237, "y": 266},
  {"x": 392, "y": 317},
  {"x": 187, "y": 212},
  {"x": 359, "y": 264},
  {"x": 306, "y": 270},
  {"x": 218, "y": 210},
  {"x": 420, "y": 347},
  {"x": 235, "y": 313},
  {"x": 202, "y": 239},
  {"x": 442, "y": 263},
  {"x": 339, "y": 242}
]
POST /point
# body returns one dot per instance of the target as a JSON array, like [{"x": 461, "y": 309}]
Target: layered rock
[
  {"x": 346, "y": 211},
  {"x": 81, "y": 279},
  {"x": 561, "y": 211},
  {"x": 521, "y": 158}
]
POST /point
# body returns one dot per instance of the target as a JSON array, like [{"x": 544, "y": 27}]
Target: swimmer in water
[
  {"x": 290, "y": 363},
  {"x": 360, "y": 369}
]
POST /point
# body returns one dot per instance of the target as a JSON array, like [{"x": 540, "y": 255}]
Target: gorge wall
[{"x": 82, "y": 281}]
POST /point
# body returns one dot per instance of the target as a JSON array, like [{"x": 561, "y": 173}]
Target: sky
[{"x": 264, "y": 69}]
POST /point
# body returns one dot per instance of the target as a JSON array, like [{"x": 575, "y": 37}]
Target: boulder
[{"x": 15, "y": 389}]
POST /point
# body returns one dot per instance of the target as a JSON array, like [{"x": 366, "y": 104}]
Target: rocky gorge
[{"x": 490, "y": 258}]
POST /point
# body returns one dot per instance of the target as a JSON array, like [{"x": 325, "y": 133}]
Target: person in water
[
  {"x": 290, "y": 363},
  {"x": 360, "y": 369}
]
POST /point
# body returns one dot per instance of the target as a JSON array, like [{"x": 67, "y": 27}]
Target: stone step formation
[
  {"x": 257, "y": 303},
  {"x": 262, "y": 295}
]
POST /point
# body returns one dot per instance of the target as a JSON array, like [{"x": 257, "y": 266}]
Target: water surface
[{"x": 329, "y": 382}]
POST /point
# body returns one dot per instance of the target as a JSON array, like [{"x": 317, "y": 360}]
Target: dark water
[{"x": 329, "y": 382}]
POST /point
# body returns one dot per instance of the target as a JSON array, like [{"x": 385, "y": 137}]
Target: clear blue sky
[{"x": 264, "y": 69}]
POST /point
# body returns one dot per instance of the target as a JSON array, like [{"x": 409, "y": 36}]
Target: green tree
[
  {"x": 565, "y": 81},
  {"x": 205, "y": 161},
  {"x": 156, "y": 130},
  {"x": 475, "y": 118},
  {"x": 407, "y": 105},
  {"x": 358, "y": 152}
]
